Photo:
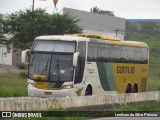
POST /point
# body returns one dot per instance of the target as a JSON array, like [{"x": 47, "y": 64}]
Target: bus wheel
[
  {"x": 129, "y": 88},
  {"x": 88, "y": 90},
  {"x": 135, "y": 88}
]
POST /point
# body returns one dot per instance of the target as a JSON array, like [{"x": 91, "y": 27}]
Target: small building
[
  {"x": 5, "y": 54},
  {"x": 5, "y": 50},
  {"x": 95, "y": 23}
]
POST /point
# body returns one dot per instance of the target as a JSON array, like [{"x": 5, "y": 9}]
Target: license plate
[{"x": 48, "y": 93}]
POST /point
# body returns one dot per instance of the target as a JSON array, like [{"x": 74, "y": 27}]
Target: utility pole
[
  {"x": 33, "y": 6},
  {"x": 33, "y": 31},
  {"x": 33, "y": 15},
  {"x": 117, "y": 30}
]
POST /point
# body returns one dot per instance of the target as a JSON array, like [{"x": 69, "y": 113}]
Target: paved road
[{"x": 9, "y": 68}]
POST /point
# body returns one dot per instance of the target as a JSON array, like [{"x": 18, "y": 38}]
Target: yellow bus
[{"x": 86, "y": 64}]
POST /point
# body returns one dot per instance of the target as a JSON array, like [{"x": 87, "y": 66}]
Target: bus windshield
[
  {"x": 51, "y": 67},
  {"x": 50, "y": 64}
]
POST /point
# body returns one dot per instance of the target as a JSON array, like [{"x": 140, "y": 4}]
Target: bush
[
  {"x": 22, "y": 66},
  {"x": 23, "y": 74}
]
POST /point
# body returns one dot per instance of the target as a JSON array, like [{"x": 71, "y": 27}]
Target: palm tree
[
  {"x": 94, "y": 10},
  {"x": 97, "y": 10}
]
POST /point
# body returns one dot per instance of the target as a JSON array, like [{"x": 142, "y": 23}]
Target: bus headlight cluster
[
  {"x": 31, "y": 94},
  {"x": 31, "y": 84},
  {"x": 67, "y": 86}
]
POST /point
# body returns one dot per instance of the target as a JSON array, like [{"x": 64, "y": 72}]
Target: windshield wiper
[
  {"x": 43, "y": 70},
  {"x": 45, "y": 67},
  {"x": 32, "y": 59}
]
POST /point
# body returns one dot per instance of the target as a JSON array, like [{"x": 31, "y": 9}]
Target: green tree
[
  {"x": 3, "y": 40},
  {"x": 26, "y": 25},
  {"x": 97, "y": 10},
  {"x": 150, "y": 28},
  {"x": 147, "y": 28}
]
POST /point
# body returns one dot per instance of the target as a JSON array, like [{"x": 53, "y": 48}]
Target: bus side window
[
  {"x": 111, "y": 53},
  {"x": 131, "y": 56},
  {"x": 92, "y": 52},
  {"x": 81, "y": 62},
  {"x": 123, "y": 57},
  {"x": 144, "y": 55},
  {"x": 117, "y": 53},
  {"x": 137, "y": 55},
  {"x": 106, "y": 52},
  {"x": 101, "y": 53}
]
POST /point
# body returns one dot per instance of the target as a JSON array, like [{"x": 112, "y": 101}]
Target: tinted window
[
  {"x": 137, "y": 55},
  {"x": 101, "y": 53},
  {"x": 130, "y": 53},
  {"x": 111, "y": 53},
  {"x": 92, "y": 52},
  {"x": 144, "y": 55},
  {"x": 123, "y": 58},
  {"x": 54, "y": 46},
  {"x": 116, "y": 53}
]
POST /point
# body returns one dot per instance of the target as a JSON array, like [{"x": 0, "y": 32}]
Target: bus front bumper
[{"x": 35, "y": 92}]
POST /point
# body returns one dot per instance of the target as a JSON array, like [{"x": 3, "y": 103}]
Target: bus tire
[
  {"x": 129, "y": 88},
  {"x": 88, "y": 90},
  {"x": 135, "y": 88}
]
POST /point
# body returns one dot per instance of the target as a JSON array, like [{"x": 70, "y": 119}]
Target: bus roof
[
  {"x": 62, "y": 37},
  {"x": 128, "y": 43},
  {"x": 103, "y": 37},
  {"x": 93, "y": 38}
]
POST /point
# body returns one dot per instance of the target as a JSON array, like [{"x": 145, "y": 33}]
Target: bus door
[{"x": 79, "y": 72}]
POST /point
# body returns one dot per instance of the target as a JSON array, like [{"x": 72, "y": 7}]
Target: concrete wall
[
  {"x": 98, "y": 23},
  {"x": 36, "y": 104}
]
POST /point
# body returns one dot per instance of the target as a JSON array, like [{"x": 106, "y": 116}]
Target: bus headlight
[
  {"x": 31, "y": 84},
  {"x": 67, "y": 86}
]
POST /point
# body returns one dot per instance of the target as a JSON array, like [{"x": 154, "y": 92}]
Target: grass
[
  {"x": 12, "y": 85},
  {"x": 142, "y": 107},
  {"x": 154, "y": 84}
]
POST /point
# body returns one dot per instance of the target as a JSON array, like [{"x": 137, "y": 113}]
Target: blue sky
[{"x": 129, "y": 9}]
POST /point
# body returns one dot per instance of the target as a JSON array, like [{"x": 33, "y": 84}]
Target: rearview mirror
[
  {"x": 75, "y": 59},
  {"x": 24, "y": 56}
]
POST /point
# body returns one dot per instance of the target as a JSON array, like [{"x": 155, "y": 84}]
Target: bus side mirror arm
[
  {"x": 24, "y": 56},
  {"x": 75, "y": 59}
]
